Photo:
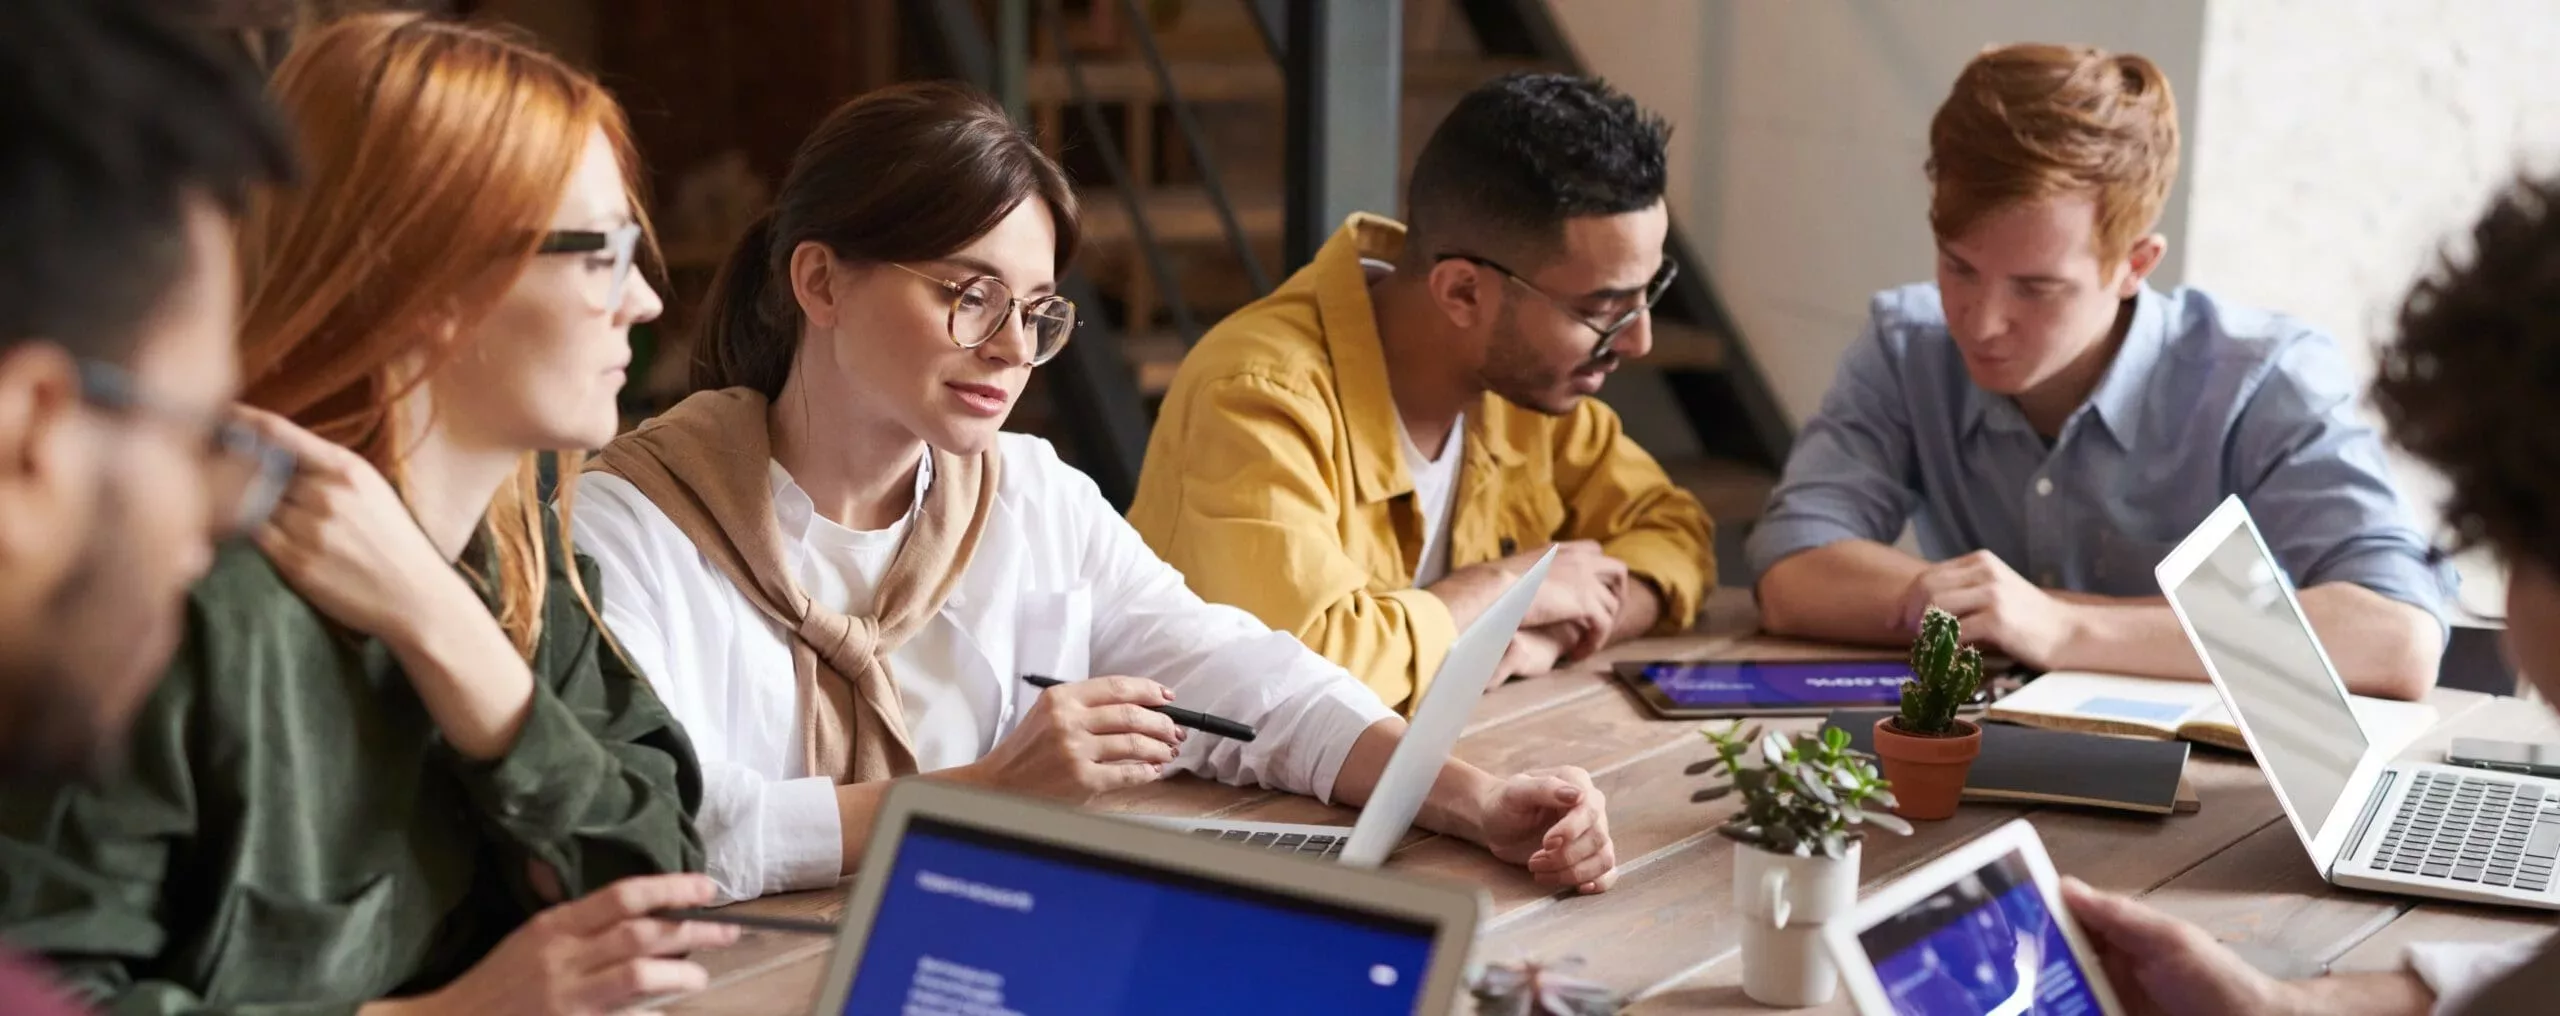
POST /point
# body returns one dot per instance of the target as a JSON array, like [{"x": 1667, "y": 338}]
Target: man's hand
[
  {"x": 1556, "y": 824},
  {"x": 2161, "y": 965},
  {"x": 1582, "y": 592},
  {"x": 1995, "y": 605},
  {"x": 1533, "y": 651}
]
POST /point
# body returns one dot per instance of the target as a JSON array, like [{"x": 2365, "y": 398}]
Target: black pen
[
  {"x": 755, "y": 921},
  {"x": 1202, "y": 722}
]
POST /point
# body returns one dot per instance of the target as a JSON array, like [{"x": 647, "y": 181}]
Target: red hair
[
  {"x": 434, "y": 157},
  {"x": 2034, "y": 121}
]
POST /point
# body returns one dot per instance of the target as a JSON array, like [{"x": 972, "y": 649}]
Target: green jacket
[{"x": 288, "y": 833}]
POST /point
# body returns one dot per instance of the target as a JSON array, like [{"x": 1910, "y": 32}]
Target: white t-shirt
[
  {"x": 1435, "y": 495},
  {"x": 950, "y": 721}
]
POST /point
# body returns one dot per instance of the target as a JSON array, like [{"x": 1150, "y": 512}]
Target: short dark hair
[
  {"x": 113, "y": 115},
  {"x": 1525, "y": 152},
  {"x": 911, "y": 172},
  {"x": 2468, "y": 385}
]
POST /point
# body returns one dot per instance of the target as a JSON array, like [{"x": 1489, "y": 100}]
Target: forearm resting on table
[
  {"x": 2382, "y": 647},
  {"x": 2397, "y": 993},
  {"x": 1458, "y": 798},
  {"x": 1848, "y": 591}
]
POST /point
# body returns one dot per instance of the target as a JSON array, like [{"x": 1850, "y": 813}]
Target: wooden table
[{"x": 1668, "y": 934}]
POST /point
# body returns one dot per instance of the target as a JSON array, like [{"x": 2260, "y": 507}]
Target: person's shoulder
[
  {"x": 242, "y": 584},
  {"x": 1031, "y": 468},
  {"x": 1278, "y": 339},
  {"x": 2254, "y": 346},
  {"x": 1903, "y": 314}
]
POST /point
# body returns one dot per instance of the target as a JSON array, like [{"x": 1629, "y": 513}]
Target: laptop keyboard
[
  {"x": 1289, "y": 843},
  {"x": 2477, "y": 829}
]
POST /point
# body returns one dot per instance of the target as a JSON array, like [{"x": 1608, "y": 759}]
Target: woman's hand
[
  {"x": 595, "y": 955},
  {"x": 346, "y": 542},
  {"x": 1084, "y": 738}
]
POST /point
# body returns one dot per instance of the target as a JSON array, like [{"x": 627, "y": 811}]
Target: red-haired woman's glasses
[
  {"x": 980, "y": 305},
  {"x": 612, "y": 252}
]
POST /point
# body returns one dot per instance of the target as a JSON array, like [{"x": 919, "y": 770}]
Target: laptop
[
  {"x": 2369, "y": 822},
  {"x": 973, "y": 902},
  {"x": 1428, "y": 739}
]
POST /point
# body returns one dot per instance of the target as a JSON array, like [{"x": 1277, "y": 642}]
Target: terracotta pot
[
  {"x": 1927, "y": 772},
  {"x": 1785, "y": 901}
]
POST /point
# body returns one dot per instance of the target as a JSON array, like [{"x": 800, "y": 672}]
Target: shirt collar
[
  {"x": 1350, "y": 324},
  {"x": 2118, "y": 399},
  {"x": 793, "y": 511}
]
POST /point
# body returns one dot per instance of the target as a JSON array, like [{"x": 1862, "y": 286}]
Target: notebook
[
  {"x": 2160, "y": 709},
  {"x": 2024, "y": 765}
]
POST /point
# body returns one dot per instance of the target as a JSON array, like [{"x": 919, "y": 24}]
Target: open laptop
[
  {"x": 1428, "y": 739},
  {"x": 972, "y": 902},
  {"x": 2369, "y": 822}
]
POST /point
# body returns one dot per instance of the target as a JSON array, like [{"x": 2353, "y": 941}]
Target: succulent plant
[
  {"x": 1532, "y": 988},
  {"x": 1945, "y": 676},
  {"x": 1811, "y": 794}
]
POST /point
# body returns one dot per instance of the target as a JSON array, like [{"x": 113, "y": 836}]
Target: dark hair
[
  {"x": 113, "y": 116},
  {"x": 908, "y": 173},
  {"x": 2468, "y": 384},
  {"x": 1523, "y": 153}
]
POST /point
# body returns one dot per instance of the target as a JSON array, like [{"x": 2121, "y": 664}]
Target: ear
[
  {"x": 2139, "y": 263},
  {"x": 1462, "y": 290},
  {"x": 814, "y": 273},
  {"x": 41, "y": 486}
]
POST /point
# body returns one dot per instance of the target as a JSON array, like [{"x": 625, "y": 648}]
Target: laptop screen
[
  {"x": 2303, "y": 730},
  {"x": 978, "y": 922}
]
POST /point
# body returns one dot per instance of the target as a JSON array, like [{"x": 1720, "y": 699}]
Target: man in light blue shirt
[{"x": 2050, "y": 425}]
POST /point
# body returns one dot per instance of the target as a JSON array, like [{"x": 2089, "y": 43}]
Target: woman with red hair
[{"x": 395, "y": 739}]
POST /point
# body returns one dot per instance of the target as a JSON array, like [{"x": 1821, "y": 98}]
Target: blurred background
[{"x": 2332, "y": 147}]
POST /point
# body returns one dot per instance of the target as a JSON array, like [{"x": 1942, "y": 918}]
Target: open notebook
[{"x": 2162, "y": 709}]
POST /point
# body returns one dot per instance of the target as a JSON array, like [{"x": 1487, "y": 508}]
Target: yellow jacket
[{"x": 1276, "y": 481}]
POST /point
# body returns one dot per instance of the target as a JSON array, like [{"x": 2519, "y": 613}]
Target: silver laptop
[
  {"x": 1446, "y": 704},
  {"x": 2369, "y": 822},
  {"x": 974, "y": 903}
]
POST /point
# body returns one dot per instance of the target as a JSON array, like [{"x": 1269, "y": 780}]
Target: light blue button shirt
[{"x": 2204, "y": 400}]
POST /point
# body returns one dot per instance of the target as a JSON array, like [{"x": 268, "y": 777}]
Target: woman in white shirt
[{"x": 837, "y": 571}]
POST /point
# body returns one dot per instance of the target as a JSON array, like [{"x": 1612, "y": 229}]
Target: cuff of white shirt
[
  {"x": 803, "y": 835},
  {"x": 1336, "y": 721},
  {"x": 2455, "y": 971}
]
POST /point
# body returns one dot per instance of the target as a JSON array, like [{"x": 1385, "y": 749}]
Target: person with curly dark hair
[
  {"x": 2467, "y": 388},
  {"x": 2048, "y": 424},
  {"x": 1369, "y": 455}
]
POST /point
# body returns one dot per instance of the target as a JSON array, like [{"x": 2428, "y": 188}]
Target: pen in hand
[{"x": 1199, "y": 721}]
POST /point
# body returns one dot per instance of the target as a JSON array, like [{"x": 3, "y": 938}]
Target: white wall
[
  {"x": 2341, "y": 143},
  {"x": 1801, "y": 128}
]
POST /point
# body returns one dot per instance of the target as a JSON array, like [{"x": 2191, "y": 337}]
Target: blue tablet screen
[
  {"x": 1984, "y": 944},
  {"x": 1810, "y": 685}
]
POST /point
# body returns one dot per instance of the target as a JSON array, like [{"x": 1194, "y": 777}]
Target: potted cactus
[
  {"x": 1926, "y": 750},
  {"x": 1805, "y": 809}
]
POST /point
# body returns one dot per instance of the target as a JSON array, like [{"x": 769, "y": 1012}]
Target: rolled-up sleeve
[
  {"x": 2319, "y": 485},
  {"x": 1852, "y": 475},
  {"x": 1306, "y": 711}
]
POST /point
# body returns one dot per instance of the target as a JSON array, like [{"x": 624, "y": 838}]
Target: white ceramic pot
[{"x": 1785, "y": 900}]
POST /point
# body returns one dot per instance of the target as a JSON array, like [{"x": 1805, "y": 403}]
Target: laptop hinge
[{"x": 2364, "y": 819}]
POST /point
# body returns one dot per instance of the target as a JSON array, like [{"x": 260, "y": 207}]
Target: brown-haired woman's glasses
[{"x": 980, "y": 305}]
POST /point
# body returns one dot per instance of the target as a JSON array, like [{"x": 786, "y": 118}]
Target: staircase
[{"x": 1171, "y": 124}]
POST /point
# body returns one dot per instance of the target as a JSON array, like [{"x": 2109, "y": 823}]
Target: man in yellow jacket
[{"x": 1369, "y": 455}]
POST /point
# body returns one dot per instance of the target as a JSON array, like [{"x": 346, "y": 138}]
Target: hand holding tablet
[{"x": 1980, "y": 931}]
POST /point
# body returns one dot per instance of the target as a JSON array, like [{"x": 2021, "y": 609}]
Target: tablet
[
  {"x": 1693, "y": 689},
  {"x": 1979, "y": 931}
]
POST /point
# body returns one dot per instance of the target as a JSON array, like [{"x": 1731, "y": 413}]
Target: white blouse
[{"x": 1060, "y": 585}]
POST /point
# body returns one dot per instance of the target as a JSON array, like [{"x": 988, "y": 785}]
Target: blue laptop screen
[
  {"x": 1984, "y": 944},
  {"x": 975, "y": 922}
]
